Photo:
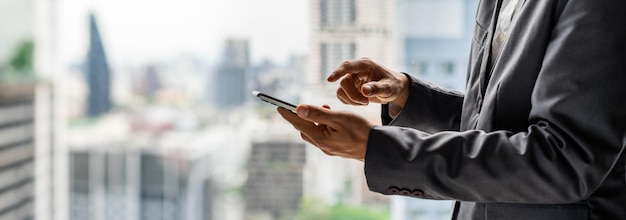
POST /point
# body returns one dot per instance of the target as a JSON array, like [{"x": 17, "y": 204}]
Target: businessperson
[{"x": 539, "y": 132}]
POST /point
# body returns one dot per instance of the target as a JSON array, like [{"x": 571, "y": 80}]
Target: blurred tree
[
  {"x": 20, "y": 64},
  {"x": 345, "y": 212},
  {"x": 313, "y": 209},
  {"x": 22, "y": 59}
]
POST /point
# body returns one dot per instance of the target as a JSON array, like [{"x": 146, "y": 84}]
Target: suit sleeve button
[
  {"x": 393, "y": 190},
  {"x": 417, "y": 193},
  {"x": 405, "y": 192}
]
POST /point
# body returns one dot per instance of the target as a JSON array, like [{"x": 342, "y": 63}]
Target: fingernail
[
  {"x": 330, "y": 77},
  {"x": 367, "y": 90},
  {"x": 303, "y": 111}
]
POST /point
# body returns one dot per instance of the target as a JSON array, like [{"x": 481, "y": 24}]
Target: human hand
[
  {"x": 336, "y": 133},
  {"x": 364, "y": 81}
]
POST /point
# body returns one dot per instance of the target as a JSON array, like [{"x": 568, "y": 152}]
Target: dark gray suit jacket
[{"x": 540, "y": 134}]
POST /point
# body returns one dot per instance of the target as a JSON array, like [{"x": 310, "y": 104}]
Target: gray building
[
  {"x": 348, "y": 29},
  {"x": 98, "y": 73},
  {"x": 33, "y": 157},
  {"x": 230, "y": 81},
  {"x": 17, "y": 151},
  {"x": 116, "y": 182},
  {"x": 274, "y": 186},
  {"x": 343, "y": 30}
]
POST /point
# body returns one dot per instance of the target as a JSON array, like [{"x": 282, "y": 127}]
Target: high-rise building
[
  {"x": 32, "y": 125},
  {"x": 122, "y": 182},
  {"x": 285, "y": 80},
  {"x": 343, "y": 30},
  {"x": 274, "y": 186},
  {"x": 230, "y": 81},
  {"x": 17, "y": 151},
  {"x": 98, "y": 73},
  {"x": 150, "y": 82},
  {"x": 349, "y": 29}
]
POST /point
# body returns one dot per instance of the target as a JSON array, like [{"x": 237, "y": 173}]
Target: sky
[{"x": 143, "y": 31}]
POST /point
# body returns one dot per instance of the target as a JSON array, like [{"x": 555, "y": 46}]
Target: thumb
[
  {"x": 379, "y": 88},
  {"x": 316, "y": 114}
]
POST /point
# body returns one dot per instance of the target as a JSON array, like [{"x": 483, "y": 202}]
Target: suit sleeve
[
  {"x": 576, "y": 132},
  {"x": 429, "y": 108}
]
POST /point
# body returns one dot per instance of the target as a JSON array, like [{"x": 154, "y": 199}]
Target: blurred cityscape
[{"x": 94, "y": 128}]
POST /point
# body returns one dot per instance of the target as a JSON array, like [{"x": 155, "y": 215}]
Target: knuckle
[
  {"x": 346, "y": 81},
  {"x": 380, "y": 87},
  {"x": 367, "y": 61}
]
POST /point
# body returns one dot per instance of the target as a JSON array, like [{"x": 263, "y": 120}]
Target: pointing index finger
[{"x": 349, "y": 67}]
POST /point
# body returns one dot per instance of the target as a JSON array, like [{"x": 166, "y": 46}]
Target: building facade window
[
  {"x": 337, "y": 12},
  {"x": 419, "y": 68},
  {"x": 447, "y": 68},
  {"x": 332, "y": 54}
]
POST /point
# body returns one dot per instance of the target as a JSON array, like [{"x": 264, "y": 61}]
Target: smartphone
[{"x": 274, "y": 101}]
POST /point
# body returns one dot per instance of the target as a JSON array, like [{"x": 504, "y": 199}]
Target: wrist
[{"x": 403, "y": 93}]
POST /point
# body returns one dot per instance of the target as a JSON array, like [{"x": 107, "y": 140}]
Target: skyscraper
[
  {"x": 98, "y": 73},
  {"x": 343, "y": 30},
  {"x": 349, "y": 29},
  {"x": 122, "y": 182},
  {"x": 230, "y": 81},
  {"x": 31, "y": 116},
  {"x": 274, "y": 186},
  {"x": 17, "y": 151},
  {"x": 150, "y": 82}
]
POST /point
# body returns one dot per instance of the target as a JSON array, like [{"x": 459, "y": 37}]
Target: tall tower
[
  {"x": 274, "y": 186},
  {"x": 343, "y": 30},
  {"x": 230, "y": 80},
  {"x": 17, "y": 150},
  {"x": 125, "y": 181},
  {"x": 349, "y": 29},
  {"x": 31, "y": 114},
  {"x": 98, "y": 73}
]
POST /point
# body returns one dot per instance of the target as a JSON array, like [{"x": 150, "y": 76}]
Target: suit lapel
[
  {"x": 491, "y": 67},
  {"x": 485, "y": 68}
]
